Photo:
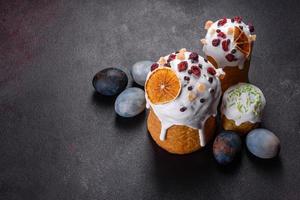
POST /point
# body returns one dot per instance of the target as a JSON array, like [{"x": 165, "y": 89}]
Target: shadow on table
[
  {"x": 273, "y": 165},
  {"x": 130, "y": 122},
  {"x": 103, "y": 101},
  {"x": 198, "y": 169}
]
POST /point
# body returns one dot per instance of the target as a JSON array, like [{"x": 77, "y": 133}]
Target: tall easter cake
[
  {"x": 228, "y": 45},
  {"x": 182, "y": 92}
]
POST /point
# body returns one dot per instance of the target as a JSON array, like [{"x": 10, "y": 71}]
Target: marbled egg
[
  {"x": 226, "y": 146},
  {"x": 140, "y": 71},
  {"x": 110, "y": 81},
  {"x": 130, "y": 102},
  {"x": 263, "y": 143}
]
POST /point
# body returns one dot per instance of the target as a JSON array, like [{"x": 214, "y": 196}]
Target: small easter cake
[
  {"x": 182, "y": 92},
  {"x": 242, "y": 108},
  {"x": 228, "y": 45}
]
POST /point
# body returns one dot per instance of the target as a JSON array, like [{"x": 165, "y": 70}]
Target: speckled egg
[
  {"x": 263, "y": 143},
  {"x": 130, "y": 102},
  {"x": 110, "y": 81},
  {"x": 226, "y": 146},
  {"x": 140, "y": 71}
]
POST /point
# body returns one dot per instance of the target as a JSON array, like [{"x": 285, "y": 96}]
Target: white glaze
[
  {"x": 243, "y": 102},
  {"x": 196, "y": 113},
  {"x": 217, "y": 53}
]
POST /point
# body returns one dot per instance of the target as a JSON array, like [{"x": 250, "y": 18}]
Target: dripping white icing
[
  {"x": 217, "y": 52},
  {"x": 202, "y": 137},
  {"x": 197, "y": 112},
  {"x": 243, "y": 103}
]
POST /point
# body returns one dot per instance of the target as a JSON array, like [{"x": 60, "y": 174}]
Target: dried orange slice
[
  {"x": 162, "y": 86},
  {"x": 241, "y": 41}
]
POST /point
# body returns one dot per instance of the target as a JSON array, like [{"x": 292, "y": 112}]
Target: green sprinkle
[{"x": 248, "y": 92}]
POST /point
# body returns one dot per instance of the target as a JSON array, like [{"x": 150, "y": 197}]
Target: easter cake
[
  {"x": 182, "y": 92},
  {"x": 228, "y": 45},
  {"x": 242, "y": 107}
]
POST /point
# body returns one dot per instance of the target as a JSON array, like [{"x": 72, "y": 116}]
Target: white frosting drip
[
  {"x": 243, "y": 102},
  {"x": 202, "y": 138},
  {"x": 196, "y": 112},
  {"x": 217, "y": 52}
]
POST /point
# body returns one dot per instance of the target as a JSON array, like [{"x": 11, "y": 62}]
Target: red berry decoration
[
  {"x": 225, "y": 44},
  {"x": 182, "y": 66},
  {"x": 194, "y": 57},
  {"x": 211, "y": 71},
  {"x": 171, "y": 57},
  {"x": 215, "y": 42},
  {"x": 196, "y": 71},
  {"x": 230, "y": 57},
  {"x": 222, "y": 35},
  {"x": 167, "y": 65},
  {"x": 238, "y": 19},
  {"x": 154, "y": 66},
  {"x": 222, "y": 21}
]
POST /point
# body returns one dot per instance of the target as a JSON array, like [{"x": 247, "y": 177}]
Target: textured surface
[
  {"x": 180, "y": 139},
  {"x": 58, "y": 140}
]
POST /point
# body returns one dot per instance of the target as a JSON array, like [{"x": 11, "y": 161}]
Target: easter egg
[
  {"x": 263, "y": 143},
  {"x": 130, "y": 102},
  {"x": 140, "y": 71},
  {"x": 226, "y": 147},
  {"x": 110, "y": 81}
]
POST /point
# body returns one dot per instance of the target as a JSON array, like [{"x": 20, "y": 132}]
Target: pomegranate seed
[
  {"x": 190, "y": 71},
  {"x": 216, "y": 42},
  {"x": 230, "y": 57},
  {"x": 251, "y": 27},
  {"x": 218, "y": 30},
  {"x": 190, "y": 88},
  {"x": 222, "y": 21},
  {"x": 182, "y": 66},
  {"x": 210, "y": 79},
  {"x": 186, "y": 78},
  {"x": 222, "y": 35},
  {"x": 196, "y": 71},
  {"x": 171, "y": 57},
  {"x": 194, "y": 57},
  {"x": 154, "y": 66},
  {"x": 182, "y": 109},
  {"x": 225, "y": 44},
  {"x": 211, "y": 71}
]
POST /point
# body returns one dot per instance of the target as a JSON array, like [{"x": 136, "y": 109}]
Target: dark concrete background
[{"x": 58, "y": 140}]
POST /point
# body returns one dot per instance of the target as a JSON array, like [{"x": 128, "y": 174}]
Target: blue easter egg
[
  {"x": 226, "y": 146},
  {"x": 130, "y": 102},
  {"x": 140, "y": 71},
  {"x": 263, "y": 143},
  {"x": 110, "y": 81}
]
